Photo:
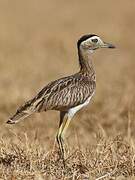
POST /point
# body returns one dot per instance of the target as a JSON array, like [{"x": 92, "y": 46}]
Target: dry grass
[
  {"x": 113, "y": 157},
  {"x": 37, "y": 45}
]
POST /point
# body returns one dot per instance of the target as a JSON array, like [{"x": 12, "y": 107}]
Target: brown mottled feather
[
  {"x": 64, "y": 93},
  {"x": 61, "y": 95}
]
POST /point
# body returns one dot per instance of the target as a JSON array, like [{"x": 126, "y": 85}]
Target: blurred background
[{"x": 38, "y": 44}]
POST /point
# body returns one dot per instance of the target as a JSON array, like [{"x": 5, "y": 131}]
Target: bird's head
[{"x": 92, "y": 42}]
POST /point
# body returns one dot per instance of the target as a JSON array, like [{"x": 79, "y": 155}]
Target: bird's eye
[{"x": 94, "y": 40}]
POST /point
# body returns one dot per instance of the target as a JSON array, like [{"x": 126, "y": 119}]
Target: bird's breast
[{"x": 73, "y": 110}]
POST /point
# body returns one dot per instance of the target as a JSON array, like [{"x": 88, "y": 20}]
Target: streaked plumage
[
  {"x": 68, "y": 94},
  {"x": 64, "y": 93}
]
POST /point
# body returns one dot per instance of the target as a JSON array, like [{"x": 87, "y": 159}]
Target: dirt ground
[{"x": 38, "y": 44}]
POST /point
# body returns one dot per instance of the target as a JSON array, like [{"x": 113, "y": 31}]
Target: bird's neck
[{"x": 85, "y": 62}]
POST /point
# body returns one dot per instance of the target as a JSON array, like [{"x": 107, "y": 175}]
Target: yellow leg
[
  {"x": 64, "y": 123},
  {"x": 65, "y": 126}
]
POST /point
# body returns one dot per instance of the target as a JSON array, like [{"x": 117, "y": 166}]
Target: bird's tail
[{"x": 22, "y": 112}]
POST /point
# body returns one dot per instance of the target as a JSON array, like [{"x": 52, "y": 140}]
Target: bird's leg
[
  {"x": 59, "y": 136},
  {"x": 60, "y": 142},
  {"x": 64, "y": 123}
]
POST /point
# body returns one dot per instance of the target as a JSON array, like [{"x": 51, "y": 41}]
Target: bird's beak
[{"x": 108, "y": 45}]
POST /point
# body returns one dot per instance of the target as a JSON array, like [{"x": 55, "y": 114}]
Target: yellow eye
[{"x": 94, "y": 40}]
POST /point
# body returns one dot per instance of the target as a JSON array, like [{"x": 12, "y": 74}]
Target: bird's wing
[{"x": 63, "y": 94}]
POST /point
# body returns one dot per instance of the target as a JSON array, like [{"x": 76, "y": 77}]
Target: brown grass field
[{"x": 37, "y": 45}]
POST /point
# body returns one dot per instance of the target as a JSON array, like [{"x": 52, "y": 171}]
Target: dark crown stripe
[{"x": 84, "y": 38}]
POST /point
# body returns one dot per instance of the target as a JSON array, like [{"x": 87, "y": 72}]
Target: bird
[{"x": 68, "y": 94}]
